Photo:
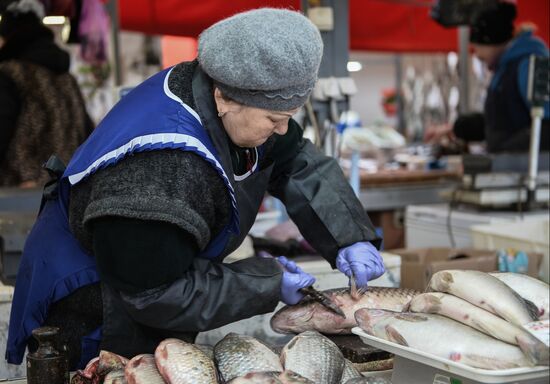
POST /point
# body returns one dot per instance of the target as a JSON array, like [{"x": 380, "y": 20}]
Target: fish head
[
  {"x": 292, "y": 319},
  {"x": 367, "y": 318},
  {"x": 426, "y": 303}
]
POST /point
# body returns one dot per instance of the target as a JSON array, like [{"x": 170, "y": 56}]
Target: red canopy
[{"x": 375, "y": 25}]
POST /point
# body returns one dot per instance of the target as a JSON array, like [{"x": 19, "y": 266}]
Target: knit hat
[
  {"x": 266, "y": 58},
  {"x": 21, "y": 14},
  {"x": 494, "y": 25}
]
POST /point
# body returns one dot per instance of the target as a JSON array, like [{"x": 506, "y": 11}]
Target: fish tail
[{"x": 536, "y": 351}]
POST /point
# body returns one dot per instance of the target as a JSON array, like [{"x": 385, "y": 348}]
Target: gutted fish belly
[
  {"x": 462, "y": 311},
  {"x": 442, "y": 337},
  {"x": 309, "y": 315}
]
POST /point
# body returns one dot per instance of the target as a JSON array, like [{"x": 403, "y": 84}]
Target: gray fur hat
[{"x": 266, "y": 58}]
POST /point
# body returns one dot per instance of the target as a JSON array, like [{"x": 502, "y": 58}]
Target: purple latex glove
[
  {"x": 363, "y": 259},
  {"x": 293, "y": 279}
]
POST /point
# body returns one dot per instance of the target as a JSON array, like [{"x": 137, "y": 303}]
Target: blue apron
[{"x": 54, "y": 264}]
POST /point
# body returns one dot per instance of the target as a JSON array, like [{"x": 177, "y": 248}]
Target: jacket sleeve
[
  {"x": 208, "y": 296},
  {"x": 320, "y": 201}
]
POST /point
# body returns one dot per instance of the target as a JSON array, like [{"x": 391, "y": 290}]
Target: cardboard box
[{"x": 418, "y": 265}]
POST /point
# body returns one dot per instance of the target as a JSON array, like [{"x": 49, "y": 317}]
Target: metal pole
[
  {"x": 398, "y": 84},
  {"x": 112, "y": 9},
  {"x": 537, "y": 113},
  {"x": 464, "y": 68}
]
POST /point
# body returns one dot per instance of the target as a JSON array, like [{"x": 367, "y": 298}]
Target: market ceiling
[{"x": 375, "y": 25}]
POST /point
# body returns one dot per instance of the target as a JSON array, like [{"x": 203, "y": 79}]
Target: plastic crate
[{"x": 527, "y": 236}]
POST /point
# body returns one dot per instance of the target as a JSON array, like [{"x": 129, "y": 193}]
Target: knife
[{"x": 323, "y": 299}]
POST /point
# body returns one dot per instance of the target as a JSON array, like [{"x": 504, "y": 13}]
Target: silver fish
[
  {"x": 315, "y": 357},
  {"x": 236, "y": 355},
  {"x": 350, "y": 372},
  {"x": 441, "y": 337},
  {"x": 485, "y": 291},
  {"x": 309, "y": 315},
  {"x": 460, "y": 310},
  {"x": 286, "y": 377},
  {"x": 181, "y": 362},
  {"x": 529, "y": 288},
  {"x": 142, "y": 369}
]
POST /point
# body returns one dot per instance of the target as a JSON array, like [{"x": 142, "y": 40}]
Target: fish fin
[
  {"x": 354, "y": 291},
  {"x": 534, "y": 349},
  {"x": 393, "y": 335},
  {"x": 532, "y": 309}
]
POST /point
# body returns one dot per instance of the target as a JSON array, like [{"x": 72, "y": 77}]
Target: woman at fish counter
[{"x": 128, "y": 247}]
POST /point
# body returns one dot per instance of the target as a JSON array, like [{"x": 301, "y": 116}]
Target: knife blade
[{"x": 323, "y": 299}]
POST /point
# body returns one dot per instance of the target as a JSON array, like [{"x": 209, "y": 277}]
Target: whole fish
[
  {"x": 286, "y": 377},
  {"x": 309, "y": 315},
  {"x": 142, "y": 369},
  {"x": 485, "y": 291},
  {"x": 315, "y": 357},
  {"x": 183, "y": 363},
  {"x": 460, "y": 310},
  {"x": 441, "y": 337},
  {"x": 529, "y": 288},
  {"x": 350, "y": 372},
  {"x": 115, "y": 377},
  {"x": 236, "y": 355}
]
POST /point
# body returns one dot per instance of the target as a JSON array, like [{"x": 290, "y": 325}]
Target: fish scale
[
  {"x": 183, "y": 363},
  {"x": 236, "y": 355},
  {"x": 315, "y": 357}
]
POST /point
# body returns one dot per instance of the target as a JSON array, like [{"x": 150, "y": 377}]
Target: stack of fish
[
  {"x": 470, "y": 317},
  {"x": 309, "y": 358}
]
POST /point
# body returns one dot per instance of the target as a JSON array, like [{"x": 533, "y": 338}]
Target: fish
[
  {"x": 236, "y": 355},
  {"x": 315, "y": 357},
  {"x": 442, "y": 337},
  {"x": 207, "y": 349},
  {"x": 142, "y": 369},
  {"x": 368, "y": 380},
  {"x": 115, "y": 377},
  {"x": 350, "y": 372},
  {"x": 462, "y": 311},
  {"x": 286, "y": 377},
  {"x": 529, "y": 288},
  {"x": 181, "y": 362},
  {"x": 485, "y": 291},
  {"x": 309, "y": 315},
  {"x": 109, "y": 361}
]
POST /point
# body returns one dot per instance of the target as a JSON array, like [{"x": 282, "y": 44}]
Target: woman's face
[{"x": 250, "y": 127}]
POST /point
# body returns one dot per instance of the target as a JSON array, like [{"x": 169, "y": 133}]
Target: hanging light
[{"x": 54, "y": 20}]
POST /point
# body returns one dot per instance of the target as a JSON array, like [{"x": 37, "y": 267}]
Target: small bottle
[{"x": 47, "y": 365}]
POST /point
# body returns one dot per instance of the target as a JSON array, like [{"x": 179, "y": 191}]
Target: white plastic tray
[{"x": 481, "y": 375}]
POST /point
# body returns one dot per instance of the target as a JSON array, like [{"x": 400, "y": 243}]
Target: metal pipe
[
  {"x": 464, "y": 68},
  {"x": 112, "y": 9},
  {"x": 537, "y": 113}
]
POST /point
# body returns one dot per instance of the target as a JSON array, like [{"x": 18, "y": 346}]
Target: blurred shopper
[
  {"x": 505, "y": 123},
  {"x": 42, "y": 110}
]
